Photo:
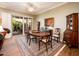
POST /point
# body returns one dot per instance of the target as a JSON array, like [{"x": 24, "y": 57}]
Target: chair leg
[
  {"x": 27, "y": 38},
  {"x": 35, "y": 40},
  {"x": 46, "y": 47},
  {"x": 39, "y": 44},
  {"x": 29, "y": 41},
  {"x": 58, "y": 39},
  {"x": 51, "y": 44}
]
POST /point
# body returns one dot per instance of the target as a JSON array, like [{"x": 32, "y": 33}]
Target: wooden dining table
[
  {"x": 38, "y": 33},
  {"x": 39, "y": 36}
]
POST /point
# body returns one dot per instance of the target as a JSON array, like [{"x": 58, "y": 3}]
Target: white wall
[
  {"x": 6, "y": 22},
  {"x": 7, "y": 14},
  {"x": 59, "y": 15}
]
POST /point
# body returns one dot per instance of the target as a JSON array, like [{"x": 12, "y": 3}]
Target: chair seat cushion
[
  {"x": 55, "y": 35},
  {"x": 44, "y": 40},
  {"x": 31, "y": 37}
]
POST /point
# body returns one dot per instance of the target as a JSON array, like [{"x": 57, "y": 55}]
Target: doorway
[
  {"x": 20, "y": 24},
  {"x": 27, "y": 24},
  {"x": 17, "y": 25}
]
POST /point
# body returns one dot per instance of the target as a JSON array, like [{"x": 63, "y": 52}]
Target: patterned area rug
[{"x": 33, "y": 50}]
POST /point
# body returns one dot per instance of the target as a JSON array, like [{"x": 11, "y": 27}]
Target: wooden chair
[
  {"x": 29, "y": 37},
  {"x": 46, "y": 40},
  {"x": 56, "y": 35}
]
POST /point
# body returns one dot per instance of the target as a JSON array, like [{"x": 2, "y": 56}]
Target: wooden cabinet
[{"x": 71, "y": 32}]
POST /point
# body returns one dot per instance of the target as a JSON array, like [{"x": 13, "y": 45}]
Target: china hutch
[{"x": 71, "y": 34}]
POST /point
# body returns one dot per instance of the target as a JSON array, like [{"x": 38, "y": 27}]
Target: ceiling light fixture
[{"x": 30, "y": 9}]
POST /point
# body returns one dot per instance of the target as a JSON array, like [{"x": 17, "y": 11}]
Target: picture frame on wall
[{"x": 49, "y": 22}]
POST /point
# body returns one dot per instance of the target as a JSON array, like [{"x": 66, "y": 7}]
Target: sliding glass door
[
  {"x": 17, "y": 25},
  {"x": 21, "y": 24}
]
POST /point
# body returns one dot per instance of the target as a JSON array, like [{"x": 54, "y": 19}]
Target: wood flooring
[
  {"x": 10, "y": 48},
  {"x": 69, "y": 52}
]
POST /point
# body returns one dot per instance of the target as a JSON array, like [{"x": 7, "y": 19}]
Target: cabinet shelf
[{"x": 71, "y": 32}]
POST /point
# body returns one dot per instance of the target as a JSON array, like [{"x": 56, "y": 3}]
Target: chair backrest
[
  {"x": 51, "y": 33},
  {"x": 58, "y": 30}
]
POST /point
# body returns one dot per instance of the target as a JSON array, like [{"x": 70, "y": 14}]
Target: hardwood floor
[
  {"x": 69, "y": 52},
  {"x": 10, "y": 48}
]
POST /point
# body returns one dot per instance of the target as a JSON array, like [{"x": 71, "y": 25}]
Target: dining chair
[
  {"x": 46, "y": 40},
  {"x": 56, "y": 34},
  {"x": 29, "y": 37}
]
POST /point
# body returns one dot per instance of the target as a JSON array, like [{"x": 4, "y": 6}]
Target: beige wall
[
  {"x": 59, "y": 14},
  {"x": 34, "y": 22},
  {"x": 6, "y": 23}
]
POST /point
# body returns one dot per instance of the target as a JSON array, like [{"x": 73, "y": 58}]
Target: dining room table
[
  {"x": 36, "y": 33},
  {"x": 40, "y": 35}
]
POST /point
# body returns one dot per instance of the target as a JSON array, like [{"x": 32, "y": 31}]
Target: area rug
[{"x": 33, "y": 50}]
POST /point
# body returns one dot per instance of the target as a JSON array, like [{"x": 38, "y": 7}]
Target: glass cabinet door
[{"x": 71, "y": 23}]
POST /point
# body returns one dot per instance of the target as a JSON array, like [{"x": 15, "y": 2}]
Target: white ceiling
[{"x": 39, "y": 7}]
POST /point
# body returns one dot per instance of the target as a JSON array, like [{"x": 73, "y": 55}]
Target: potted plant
[{"x": 1, "y": 40}]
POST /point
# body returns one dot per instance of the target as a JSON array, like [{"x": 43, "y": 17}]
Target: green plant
[{"x": 1, "y": 37}]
